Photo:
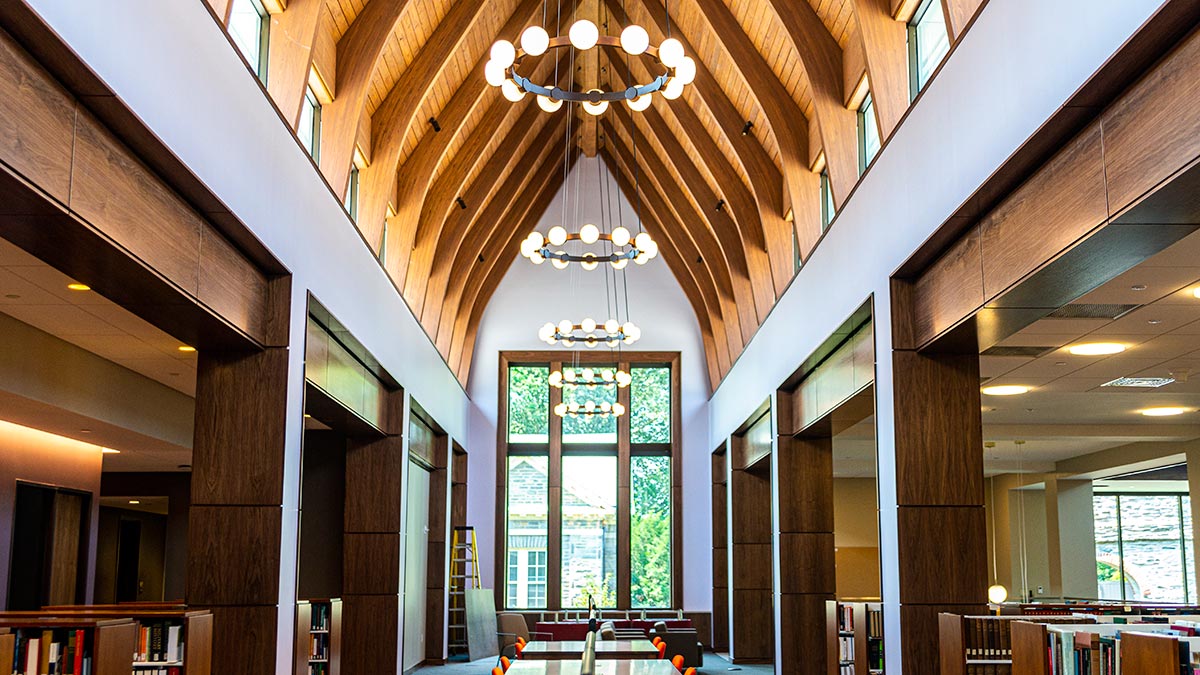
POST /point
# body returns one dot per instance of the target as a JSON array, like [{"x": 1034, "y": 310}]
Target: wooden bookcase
[
  {"x": 847, "y": 622},
  {"x": 111, "y": 641},
  {"x": 318, "y": 637},
  {"x": 966, "y": 641},
  {"x": 874, "y": 638}
]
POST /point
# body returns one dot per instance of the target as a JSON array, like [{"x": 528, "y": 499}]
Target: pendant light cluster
[
  {"x": 612, "y": 333},
  {"x": 676, "y": 69},
  {"x": 537, "y": 248}
]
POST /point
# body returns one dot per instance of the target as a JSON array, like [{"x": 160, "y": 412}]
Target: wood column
[
  {"x": 753, "y": 619},
  {"x": 371, "y": 584},
  {"x": 235, "y": 520},
  {"x": 720, "y": 542},
  {"x": 941, "y": 522},
  {"x": 439, "y": 548},
  {"x": 806, "y": 552}
]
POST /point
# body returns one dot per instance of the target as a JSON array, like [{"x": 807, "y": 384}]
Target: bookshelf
[
  {"x": 318, "y": 637},
  {"x": 1103, "y": 648},
  {"x": 76, "y": 646},
  {"x": 874, "y": 628},
  {"x": 983, "y": 645},
  {"x": 846, "y": 625}
]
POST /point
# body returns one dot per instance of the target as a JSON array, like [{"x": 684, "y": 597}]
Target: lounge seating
[
  {"x": 680, "y": 641},
  {"x": 511, "y": 627}
]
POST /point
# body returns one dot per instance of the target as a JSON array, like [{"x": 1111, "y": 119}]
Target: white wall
[{"x": 528, "y": 297}]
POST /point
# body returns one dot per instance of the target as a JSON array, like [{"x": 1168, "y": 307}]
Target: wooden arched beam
[
  {"x": 718, "y": 247},
  {"x": 958, "y": 14},
  {"x": 476, "y": 236},
  {"x": 293, "y": 32},
  {"x": 379, "y": 184},
  {"x": 678, "y": 270},
  {"x": 802, "y": 187},
  {"x": 689, "y": 271},
  {"x": 221, "y": 8},
  {"x": 746, "y": 232},
  {"x": 438, "y": 206},
  {"x": 884, "y": 42},
  {"x": 821, "y": 57},
  {"x": 479, "y": 287},
  {"x": 694, "y": 243},
  {"x": 358, "y": 54},
  {"x": 489, "y": 227}
]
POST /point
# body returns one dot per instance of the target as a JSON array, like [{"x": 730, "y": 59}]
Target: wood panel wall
[
  {"x": 720, "y": 539},
  {"x": 431, "y": 446},
  {"x": 235, "y": 521},
  {"x": 752, "y": 619}
]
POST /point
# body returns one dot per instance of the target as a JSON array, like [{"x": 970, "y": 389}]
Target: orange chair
[
  {"x": 678, "y": 662},
  {"x": 662, "y": 650},
  {"x": 505, "y": 663},
  {"x": 656, "y": 640},
  {"x": 520, "y": 647},
  {"x": 690, "y": 671},
  {"x": 497, "y": 671}
]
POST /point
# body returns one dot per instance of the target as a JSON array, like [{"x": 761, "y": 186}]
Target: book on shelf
[
  {"x": 160, "y": 644},
  {"x": 40, "y": 651}
]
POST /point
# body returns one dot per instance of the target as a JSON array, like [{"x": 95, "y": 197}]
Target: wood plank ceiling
[{"x": 453, "y": 176}]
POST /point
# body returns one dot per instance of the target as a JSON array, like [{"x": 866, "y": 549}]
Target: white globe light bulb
[
  {"x": 511, "y": 91},
  {"x": 613, "y": 342},
  {"x": 627, "y": 327},
  {"x": 670, "y": 53},
  {"x": 595, "y": 109},
  {"x": 548, "y": 104},
  {"x": 590, "y": 342},
  {"x": 642, "y": 241},
  {"x": 573, "y": 406},
  {"x": 569, "y": 374},
  {"x": 537, "y": 258},
  {"x": 620, "y": 263},
  {"x": 535, "y": 237},
  {"x": 652, "y": 249},
  {"x": 606, "y": 375},
  {"x": 642, "y": 259},
  {"x": 560, "y": 409},
  {"x": 584, "y": 34},
  {"x": 624, "y": 378},
  {"x": 503, "y": 53},
  {"x": 568, "y": 342},
  {"x": 606, "y": 406},
  {"x": 556, "y": 378},
  {"x": 588, "y": 325},
  {"x": 559, "y": 263},
  {"x": 535, "y": 40},
  {"x": 620, "y": 236},
  {"x": 640, "y": 103},
  {"x": 589, "y": 374},
  {"x": 565, "y": 326},
  {"x": 494, "y": 73},
  {"x": 589, "y": 234},
  {"x": 589, "y": 262},
  {"x": 686, "y": 72},
  {"x": 673, "y": 90},
  {"x": 546, "y": 331},
  {"x": 557, "y": 236},
  {"x": 634, "y": 40},
  {"x": 589, "y": 406},
  {"x": 618, "y": 409},
  {"x": 636, "y": 332},
  {"x": 611, "y": 326}
]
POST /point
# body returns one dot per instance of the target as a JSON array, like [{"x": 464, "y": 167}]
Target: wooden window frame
[{"x": 625, "y": 450}]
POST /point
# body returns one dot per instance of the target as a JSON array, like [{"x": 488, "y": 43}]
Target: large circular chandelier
[
  {"x": 589, "y": 333},
  {"x": 502, "y": 70},
  {"x": 590, "y": 377},
  {"x": 539, "y": 248},
  {"x": 602, "y": 409}
]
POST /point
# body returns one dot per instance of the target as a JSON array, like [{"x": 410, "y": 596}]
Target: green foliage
[
  {"x": 603, "y": 594},
  {"x": 650, "y": 535},
  {"x": 650, "y": 405},
  {"x": 528, "y": 401},
  {"x": 1108, "y": 572},
  {"x": 590, "y": 425}
]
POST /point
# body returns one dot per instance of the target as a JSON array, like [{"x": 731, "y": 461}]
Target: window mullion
[
  {"x": 554, "y": 531},
  {"x": 624, "y": 497}
]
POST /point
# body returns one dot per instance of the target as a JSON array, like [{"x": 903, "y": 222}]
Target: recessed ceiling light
[
  {"x": 1153, "y": 322},
  {"x": 1138, "y": 287},
  {"x": 85, "y": 431},
  {"x": 1096, "y": 349},
  {"x": 1196, "y": 292},
  {"x": 79, "y": 287},
  {"x": 12, "y": 296},
  {"x": 1005, "y": 390},
  {"x": 186, "y": 348},
  {"x": 135, "y": 501},
  {"x": 1163, "y": 412},
  {"x": 110, "y": 451}
]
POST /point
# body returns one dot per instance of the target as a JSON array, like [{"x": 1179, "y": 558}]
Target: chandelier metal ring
[{"x": 593, "y": 96}]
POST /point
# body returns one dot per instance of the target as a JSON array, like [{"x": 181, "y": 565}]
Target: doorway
[
  {"x": 50, "y": 552},
  {"x": 416, "y": 564}
]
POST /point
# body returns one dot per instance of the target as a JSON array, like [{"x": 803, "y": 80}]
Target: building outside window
[
  {"x": 868, "y": 134},
  {"x": 928, "y": 44},
  {"x": 1144, "y": 547},
  {"x": 249, "y": 26},
  {"x": 309, "y": 128},
  {"x": 588, "y": 513},
  {"x": 827, "y": 208}
]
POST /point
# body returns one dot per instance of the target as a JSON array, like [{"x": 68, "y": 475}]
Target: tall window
[
  {"x": 309, "y": 129},
  {"x": 567, "y": 476},
  {"x": 827, "y": 208},
  {"x": 249, "y": 26},
  {"x": 352, "y": 194},
  {"x": 868, "y": 134},
  {"x": 1144, "y": 547},
  {"x": 928, "y": 43}
]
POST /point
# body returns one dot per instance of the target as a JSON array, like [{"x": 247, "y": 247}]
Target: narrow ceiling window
[
  {"x": 827, "y": 208},
  {"x": 249, "y": 26},
  {"x": 352, "y": 194},
  {"x": 309, "y": 129},
  {"x": 928, "y": 43},
  {"x": 868, "y": 134}
]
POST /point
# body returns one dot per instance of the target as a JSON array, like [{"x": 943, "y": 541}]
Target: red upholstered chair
[
  {"x": 678, "y": 662},
  {"x": 662, "y": 650},
  {"x": 505, "y": 663}
]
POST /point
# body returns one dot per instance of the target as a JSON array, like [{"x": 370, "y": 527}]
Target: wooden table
[
  {"x": 524, "y": 666},
  {"x": 549, "y": 650}
]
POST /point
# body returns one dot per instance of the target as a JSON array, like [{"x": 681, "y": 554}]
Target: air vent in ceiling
[
  {"x": 1092, "y": 311},
  {"x": 1026, "y": 352},
  {"x": 1144, "y": 382}
]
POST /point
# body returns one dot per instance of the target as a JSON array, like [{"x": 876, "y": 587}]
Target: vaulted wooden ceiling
[{"x": 452, "y": 175}]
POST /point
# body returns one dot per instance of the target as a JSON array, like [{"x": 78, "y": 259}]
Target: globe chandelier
[
  {"x": 589, "y": 333},
  {"x": 675, "y": 69}
]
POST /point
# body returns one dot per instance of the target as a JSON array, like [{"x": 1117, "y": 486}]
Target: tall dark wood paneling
[
  {"x": 720, "y": 544},
  {"x": 752, "y": 618},
  {"x": 235, "y": 521}
]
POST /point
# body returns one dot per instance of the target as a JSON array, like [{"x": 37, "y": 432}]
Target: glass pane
[
  {"x": 306, "y": 129},
  {"x": 589, "y": 530},
  {"x": 650, "y": 403},
  {"x": 528, "y": 404},
  {"x": 528, "y": 513},
  {"x": 1189, "y": 549},
  {"x": 1108, "y": 548},
  {"x": 827, "y": 207},
  {"x": 650, "y": 533},
  {"x": 246, "y": 29},
  {"x": 932, "y": 42},
  {"x": 1150, "y": 536},
  {"x": 868, "y": 131},
  {"x": 590, "y": 428}
]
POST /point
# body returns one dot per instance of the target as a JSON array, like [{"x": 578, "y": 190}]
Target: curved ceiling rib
[{"x": 719, "y": 171}]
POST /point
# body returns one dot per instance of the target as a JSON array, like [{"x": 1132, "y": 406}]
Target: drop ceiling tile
[
  {"x": 61, "y": 320},
  {"x": 1184, "y": 296},
  {"x": 27, "y": 292},
  {"x": 1168, "y": 346},
  {"x": 1073, "y": 383},
  {"x": 995, "y": 366},
  {"x": 1023, "y": 338},
  {"x": 11, "y": 254},
  {"x": 1064, "y": 326},
  {"x": 114, "y": 347},
  {"x": 166, "y": 371},
  {"x": 1168, "y": 317},
  {"x": 1183, "y": 253},
  {"x": 56, "y": 282},
  {"x": 1113, "y": 367},
  {"x": 1158, "y": 282},
  {"x": 1052, "y": 366}
]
